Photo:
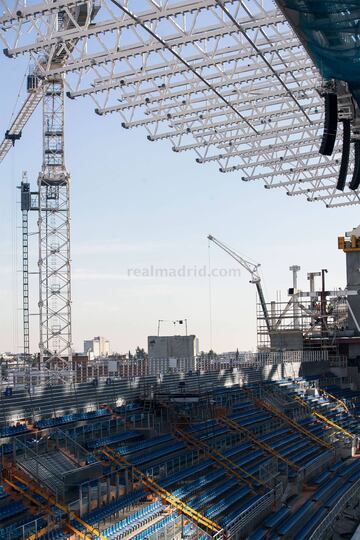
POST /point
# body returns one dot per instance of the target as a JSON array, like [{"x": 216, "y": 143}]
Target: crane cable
[
  {"x": 210, "y": 297},
  {"x": 19, "y": 93}
]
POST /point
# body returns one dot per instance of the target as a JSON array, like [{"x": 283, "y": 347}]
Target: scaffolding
[
  {"x": 30, "y": 490},
  {"x": 304, "y": 316}
]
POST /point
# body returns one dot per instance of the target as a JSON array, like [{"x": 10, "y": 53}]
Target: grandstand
[{"x": 264, "y": 459}]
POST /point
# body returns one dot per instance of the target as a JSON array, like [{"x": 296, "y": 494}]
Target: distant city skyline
[{"x": 137, "y": 204}]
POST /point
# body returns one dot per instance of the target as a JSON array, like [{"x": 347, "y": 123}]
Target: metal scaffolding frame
[
  {"x": 54, "y": 232},
  {"x": 228, "y": 80}
]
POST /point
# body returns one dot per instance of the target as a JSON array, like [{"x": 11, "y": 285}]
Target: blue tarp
[{"x": 331, "y": 32}]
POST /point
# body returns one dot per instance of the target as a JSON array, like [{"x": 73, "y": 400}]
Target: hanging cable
[
  {"x": 210, "y": 298},
  {"x": 19, "y": 93}
]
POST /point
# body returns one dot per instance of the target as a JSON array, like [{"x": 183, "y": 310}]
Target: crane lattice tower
[{"x": 54, "y": 231}]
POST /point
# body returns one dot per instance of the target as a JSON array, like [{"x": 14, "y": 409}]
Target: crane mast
[
  {"x": 53, "y": 197},
  {"x": 54, "y": 232},
  {"x": 252, "y": 268}
]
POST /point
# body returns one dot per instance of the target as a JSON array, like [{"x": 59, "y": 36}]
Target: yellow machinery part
[
  {"x": 341, "y": 242},
  {"x": 340, "y": 402}
]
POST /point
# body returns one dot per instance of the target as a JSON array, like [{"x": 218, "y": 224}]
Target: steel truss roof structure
[{"x": 226, "y": 79}]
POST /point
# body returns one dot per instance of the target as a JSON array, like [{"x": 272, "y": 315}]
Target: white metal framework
[
  {"x": 226, "y": 79},
  {"x": 54, "y": 231}
]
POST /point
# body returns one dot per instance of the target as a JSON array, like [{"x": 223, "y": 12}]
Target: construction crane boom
[
  {"x": 35, "y": 94},
  {"x": 252, "y": 268}
]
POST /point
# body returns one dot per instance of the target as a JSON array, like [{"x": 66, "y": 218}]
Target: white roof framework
[{"x": 228, "y": 80}]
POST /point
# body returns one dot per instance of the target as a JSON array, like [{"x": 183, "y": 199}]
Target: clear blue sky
[{"x": 137, "y": 204}]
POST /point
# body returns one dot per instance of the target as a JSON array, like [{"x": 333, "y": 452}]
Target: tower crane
[
  {"x": 53, "y": 195},
  {"x": 252, "y": 268}
]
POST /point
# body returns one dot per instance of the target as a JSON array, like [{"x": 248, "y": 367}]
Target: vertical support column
[
  {"x": 89, "y": 497},
  {"x": 25, "y": 207},
  {"x": 54, "y": 234},
  {"x": 117, "y": 483},
  {"x": 311, "y": 277},
  {"x": 296, "y": 311},
  {"x": 126, "y": 476},
  {"x": 99, "y": 500},
  {"x": 108, "y": 489},
  {"x": 323, "y": 304},
  {"x": 80, "y": 500}
]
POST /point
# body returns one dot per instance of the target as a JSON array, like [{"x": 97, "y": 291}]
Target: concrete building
[
  {"x": 96, "y": 347},
  {"x": 171, "y": 354}
]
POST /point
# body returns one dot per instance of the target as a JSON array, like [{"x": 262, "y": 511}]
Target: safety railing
[
  {"x": 247, "y": 518},
  {"x": 40, "y": 465},
  {"x": 50, "y": 502},
  {"x": 319, "y": 461}
]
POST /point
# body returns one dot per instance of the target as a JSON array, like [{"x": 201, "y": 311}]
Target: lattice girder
[{"x": 228, "y": 80}]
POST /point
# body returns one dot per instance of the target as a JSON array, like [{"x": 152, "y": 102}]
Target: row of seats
[
  {"x": 144, "y": 535},
  {"x": 155, "y": 454},
  {"x": 100, "y": 514},
  {"x": 225, "y": 503},
  {"x": 113, "y": 439},
  {"x": 332, "y": 485},
  {"x": 300, "y": 450},
  {"x": 68, "y": 418},
  {"x": 57, "y": 534},
  {"x": 148, "y": 443},
  {"x": 24, "y": 527},
  {"x": 328, "y": 407},
  {"x": 202, "y": 481},
  {"x": 9, "y": 431},
  {"x": 11, "y": 509},
  {"x": 76, "y": 432},
  {"x": 129, "y": 407},
  {"x": 134, "y": 521}
]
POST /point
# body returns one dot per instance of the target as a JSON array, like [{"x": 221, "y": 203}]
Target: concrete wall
[
  {"x": 171, "y": 346},
  {"x": 353, "y": 284}
]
